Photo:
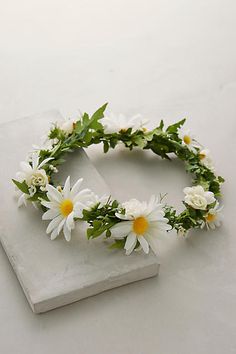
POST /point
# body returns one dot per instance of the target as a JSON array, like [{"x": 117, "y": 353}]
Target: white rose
[
  {"x": 197, "y": 197},
  {"x": 37, "y": 178}
]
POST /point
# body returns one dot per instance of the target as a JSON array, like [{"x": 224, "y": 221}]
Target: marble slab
[{"x": 56, "y": 273}]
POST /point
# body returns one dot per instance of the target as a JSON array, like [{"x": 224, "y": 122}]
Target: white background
[{"x": 163, "y": 59}]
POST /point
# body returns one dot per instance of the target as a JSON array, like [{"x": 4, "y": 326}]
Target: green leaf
[
  {"x": 94, "y": 121},
  {"x": 22, "y": 186},
  {"x": 174, "y": 127},
  {"x": 139, "y": 141},
  {"x": 221, "y": 179},
  {"x": 161, "y": 125},
  {"x": 105, "y": 146},
  {"x": 118, "y": 244}
]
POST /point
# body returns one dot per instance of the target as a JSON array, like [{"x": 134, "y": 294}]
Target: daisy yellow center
[
  {"x": 140, "y": 225},
  {"x": 187, "y": 139},
  {"x": 210, "y": 217},
  {"x": 202, "y": 156},
  {"x": 66, "y": 207},
  {"x": 123, "y": 130}
]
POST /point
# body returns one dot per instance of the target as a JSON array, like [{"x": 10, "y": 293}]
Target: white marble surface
[{"x": 165, "y": 59}]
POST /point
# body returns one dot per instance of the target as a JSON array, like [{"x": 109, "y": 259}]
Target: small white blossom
[
  {"x": 198, "y": 198},
  {"x": 205, "y": 159},
  {"x": 213, "y": 218},
  {"x": 119, "y": 123},
  {"x": 34, "y": 176},
  {"x": 188, "y": 139},
  {"x": 182, "y": 232},
  {"x": 143, "y": 223},
  {"x": 32, "y": 190},
  {"x": 53, "y": 168},
  {"x": 67, "y": 126},
  {"x": 95, "y": 200}
]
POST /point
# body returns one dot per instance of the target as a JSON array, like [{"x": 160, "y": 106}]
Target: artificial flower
[
  {"x": 33, "y": 173},
  {"x": 64, "y": 205},
  {"x": 67, "y": 126},
  {"x": 118, "y": 124},
  {"x": 188, "y": 139},
  {"x": 96, "y": 200},
  {"x": 34, "y": 176},
  {"x": 213, "y": 218},
  {"x": 198, "y": 198},
  {"x": 205, "y": 159},
  {"x": 141, "y": 223},
  {"x": 182, "y": 232}
]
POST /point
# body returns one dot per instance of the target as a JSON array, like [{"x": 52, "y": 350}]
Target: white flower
[
  {"x": 33, "y": 175},
  {"x": 197, "y": 197},
  {"x": 95, "y": 200},
  {"x": 205, "y": 159},
  {"x": 45, "y": 143},
  {"x": 115, "y": 124},
  {"x": 213, "y": 218},
  {"x": 188, "y": 139},
  {"x": 67, "y": 126},
  {"x": 64, "y": 205},
  {"x": 182, "y": 232},
  {"x": 142, "y": 222}
]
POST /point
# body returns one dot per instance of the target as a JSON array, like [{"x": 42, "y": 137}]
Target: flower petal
[
  {"x": 60, "y": 226},
  {"x": 130, "y": 241},
  {"x": 50, "y": 214},
  {"x": 210, "y": 197},
  {"x": 153, "y": 242},
  {"x": 45, "y": 161},
  {"x": 121, "y": 229},
  {"x": 21, "y": 200},
  {"x": 54, "y": 234},
  {"x": 143, "y": 242},
  {"x": 35, "y": 160},
  {"x": 54, "y": 223},
  {"x": 76, "y": 187},
  {"x": 66, "y": 189},
  {"x": 53, "y": 194},
  {"x": 49, "y": 205},
  {"x": 67, "y": 232},
  {"x": 25, "y": 166},
  {"x": 70, "y": 221}
]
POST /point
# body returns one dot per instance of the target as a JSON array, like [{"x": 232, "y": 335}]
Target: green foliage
[
  {"x": 163, "y": 142},
  {"x": 22, "y": 186},
  {"x": 174, "y": 127},
  {"x": 101, "y": 219}
]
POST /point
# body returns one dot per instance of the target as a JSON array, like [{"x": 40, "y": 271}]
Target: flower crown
[{"x": 132, "y": 225}]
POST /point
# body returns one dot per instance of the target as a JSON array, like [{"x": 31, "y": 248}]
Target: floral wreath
[{"x": 132, "y": 225}]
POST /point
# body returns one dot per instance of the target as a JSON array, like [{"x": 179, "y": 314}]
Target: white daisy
[
  {"x": 205, "y": 159},
  {"x": 117, "y": 124},
  {"x": 143, "y": 223},
  {"x": 198, "y": 198},
  {"x": 188, "y": 139},
  {"x": 213, "y": 218},
  {"x": 95, "y": 200},
  {"x": 64, "y": 206}
]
